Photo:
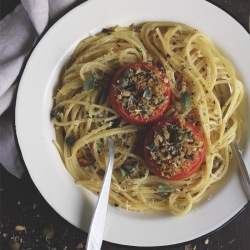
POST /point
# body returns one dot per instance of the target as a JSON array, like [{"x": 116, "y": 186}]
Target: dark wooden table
[{"x": 42, "y": 228}]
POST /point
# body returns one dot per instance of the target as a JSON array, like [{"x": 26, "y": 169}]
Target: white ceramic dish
[{"x": 35, "y": 131}]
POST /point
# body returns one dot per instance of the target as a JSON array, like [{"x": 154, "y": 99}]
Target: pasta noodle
[{"x": 84, "y": 119}]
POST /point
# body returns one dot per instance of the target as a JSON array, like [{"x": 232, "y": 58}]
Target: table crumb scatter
[
  {"x": 80, "y": 246},
  {"x": 19, "y": 228},
  {"x": 28, "y": 222}
]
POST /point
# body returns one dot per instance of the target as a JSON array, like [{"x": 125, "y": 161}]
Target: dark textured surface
[{"x": 22, "y": 204}]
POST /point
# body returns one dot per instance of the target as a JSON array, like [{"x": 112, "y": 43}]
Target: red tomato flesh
[
  {"x": 174, "y": 149},
  {"x": 140, "y": 93}
]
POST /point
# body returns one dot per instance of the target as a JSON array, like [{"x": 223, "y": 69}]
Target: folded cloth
[{"x": 20, "y": 30}]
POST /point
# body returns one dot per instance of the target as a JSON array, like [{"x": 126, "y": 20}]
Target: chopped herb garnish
[
  {"x": 140, "y": 92},
  {"x": 124, "y": 173},
  {"x": 107, "y": 31},
  {"x": 70, "y": 141},
  {"x": 138, "y": 49},
  {"x": 186, "y": 101},
  {"x": 57, "y": 113},
  {"x": 180, "y": 146},
  {"x": 89, "y": 83},
  {"x": 129, "y": 167},
  {"x": 163, "y": 190}
]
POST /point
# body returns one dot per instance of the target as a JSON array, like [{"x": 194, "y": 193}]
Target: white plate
[{"x": 35, "y": 131}]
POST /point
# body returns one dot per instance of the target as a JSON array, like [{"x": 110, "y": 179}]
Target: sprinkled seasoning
[
  {"x": 175, "y": 148},
  {"x": 142, "y": 90}
]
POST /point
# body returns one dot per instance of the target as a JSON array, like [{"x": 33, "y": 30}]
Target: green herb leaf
[
  {"x": 163, "y": 190},
  {"x": 89, "y": 83},
  {"x": 70, "y": 141},
  {"x": 138, "y": 49},
  {"x": 186, "y": 101},
  {"x": 124, "y": 173}
]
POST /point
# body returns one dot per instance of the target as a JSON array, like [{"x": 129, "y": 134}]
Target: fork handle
[
  {"x": 95, "y": 236},
  {"x": 243, "y": 170}
]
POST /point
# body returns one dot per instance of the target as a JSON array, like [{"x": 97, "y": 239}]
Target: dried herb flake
[
  {"x": 186, "y": 101},
  {"x": 89, "y": 83},
  {"x": 70, "y": 141}
]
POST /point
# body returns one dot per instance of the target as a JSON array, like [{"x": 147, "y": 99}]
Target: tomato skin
[
  {"x": 123, "y": 112},
  {"x": 156, "y": 168}
]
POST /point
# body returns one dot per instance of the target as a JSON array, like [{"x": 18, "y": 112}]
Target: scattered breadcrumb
[
  {"x": 80, "y": 246},
  {"x": 19, "y": 228}
]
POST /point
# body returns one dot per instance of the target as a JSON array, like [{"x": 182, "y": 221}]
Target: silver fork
[{"x": 97, "y": 226}]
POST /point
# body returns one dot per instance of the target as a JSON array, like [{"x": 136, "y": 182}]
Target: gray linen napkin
[{"x": 19, "y": 31}]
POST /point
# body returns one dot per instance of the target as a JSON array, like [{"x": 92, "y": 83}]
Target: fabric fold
[
  {"x": 20, "y": 30},
  {"x": 38, "y": 12}
]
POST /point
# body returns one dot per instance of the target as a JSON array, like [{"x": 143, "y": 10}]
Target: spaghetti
[{"x": 84, "y": 119}]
